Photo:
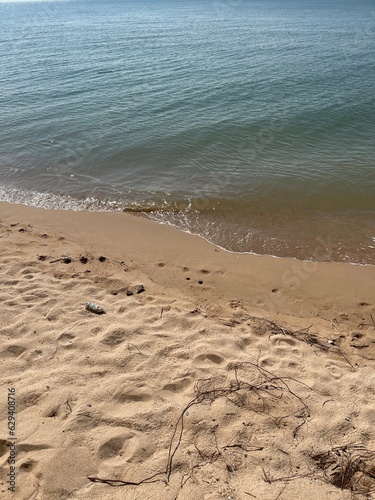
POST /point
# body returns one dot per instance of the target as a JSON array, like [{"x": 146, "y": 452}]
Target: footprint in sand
[
  {"x": 127, "y": 447},
  {"x": 31, "y": 398},
  {"x": 53, "y": 314},
  {"x": 208, "y": 360},
  {"x": 66, "y": 339},
  {"x": 29, "y": 270},
  {"x": 281, "y": 340},
  {"x": 137, "y": 395},
  {"x": 334, "y": 370},
  {"x": 10, "y": 303},
  {"x": 114, "y": 337},
  {"x": 96, "y": 330},
  {"x": 268, "y": 362},
  {"x": 13, "y": 351},
  {"x": 29, "y": 276},
  {"x": 113, "y": 446},
  {"x": 178, "y": 385},
  {"x": 36, "y": 354}
]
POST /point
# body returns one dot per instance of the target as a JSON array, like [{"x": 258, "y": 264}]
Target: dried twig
[
  {"x": 302, "y": 335},
  {"x": 137, "y": 348},
  {"x": 350, "y": 467},
  {"x": 119, "y": 482},
  {"x": 256, "y": 395},
  {"x": 68, "y": 404},
  {"x": 254, "y": 448}
]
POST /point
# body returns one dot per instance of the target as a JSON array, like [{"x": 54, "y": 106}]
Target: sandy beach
[{"x": 211, "y": 375}]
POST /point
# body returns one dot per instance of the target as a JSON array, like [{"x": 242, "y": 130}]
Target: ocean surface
[{"x": 249, "y": 122}]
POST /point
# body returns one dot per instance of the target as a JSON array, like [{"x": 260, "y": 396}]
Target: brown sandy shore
[{"x": 229, "y": 377}]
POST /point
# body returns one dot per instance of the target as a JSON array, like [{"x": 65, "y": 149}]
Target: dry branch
[
  {"x": 302, "y": 335},
  {"x": 262, "y": 392},
  {"x": 350, "y": 467}
]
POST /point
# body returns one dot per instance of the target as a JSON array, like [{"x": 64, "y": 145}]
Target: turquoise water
[{"x": 251, "y": 123}]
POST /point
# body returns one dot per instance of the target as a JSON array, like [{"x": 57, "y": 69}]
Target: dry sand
[{"x": 224, "y": 389}]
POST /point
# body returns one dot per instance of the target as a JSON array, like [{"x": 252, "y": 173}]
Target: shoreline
[
  {"x": 267, "y": 282},
  {"x": 323, "y": 245}
]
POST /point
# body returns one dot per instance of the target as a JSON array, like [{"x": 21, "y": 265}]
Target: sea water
[{"x": 249, "y": 122}]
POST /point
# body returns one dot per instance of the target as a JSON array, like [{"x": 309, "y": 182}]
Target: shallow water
[{"x": 250, "y": 123}]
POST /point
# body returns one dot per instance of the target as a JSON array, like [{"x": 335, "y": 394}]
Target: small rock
[
  {"x": 83, "y": 259},
  {"x": 139, "y": 289},
  {"x": 66, "y": 260},
  {"x": 42, "y": 257},
  {"x": 129, "y": 292},
  {"x": 102, "y": 259}
]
